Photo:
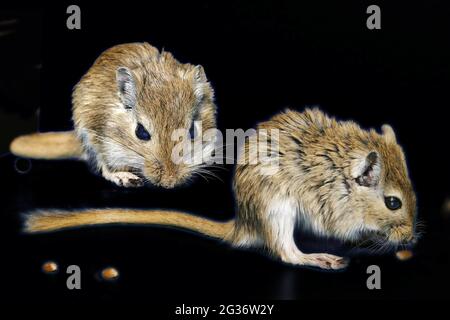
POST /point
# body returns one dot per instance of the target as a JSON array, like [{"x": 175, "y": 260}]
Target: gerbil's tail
[
  {"x": 47, "y": 146},
  {"x": 53, "y": 220}
]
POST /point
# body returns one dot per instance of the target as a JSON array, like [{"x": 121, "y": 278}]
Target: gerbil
[
  {"x": 333, "y": 178},
  {"x": 125, "y": 109}
]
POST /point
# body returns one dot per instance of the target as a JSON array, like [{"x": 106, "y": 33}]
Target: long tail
[
  {"x": 47, "y": 146},
  {"x": 54, "y": 220}
]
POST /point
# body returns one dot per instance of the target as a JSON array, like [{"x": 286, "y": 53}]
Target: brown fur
[
  {"x": 47, "y": 221},
  {"x": 47, "y": 146},
  {"x": 320, "y": 185},
  {"x": 169, "y": 95},
  {"x": 317, "y": 155}
]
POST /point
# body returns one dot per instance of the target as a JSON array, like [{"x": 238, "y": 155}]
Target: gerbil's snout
[
  {"x": 168, "y": 181},
  {"x": 166, "y": 175},
  {"x": 403, "y": 235}
]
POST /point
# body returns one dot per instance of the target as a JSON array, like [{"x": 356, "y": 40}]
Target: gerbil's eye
[
  {"x": 142, "y": 133},
  {"x": 392, "y": 203},
  {"x": 192, "y": 131}
]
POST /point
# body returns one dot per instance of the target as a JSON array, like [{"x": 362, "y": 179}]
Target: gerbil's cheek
[{"x": 403, "y": 234}]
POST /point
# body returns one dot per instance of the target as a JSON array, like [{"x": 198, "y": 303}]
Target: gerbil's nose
[
  {"x": 168, "y": 182},
  {"x": 169, "y": 174},
  {"x": 162, "y": 173}
]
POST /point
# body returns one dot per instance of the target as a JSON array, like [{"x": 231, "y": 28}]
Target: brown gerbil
[
  {"x": 125, "y": 109},
  {"x": 332, "y": 177}
]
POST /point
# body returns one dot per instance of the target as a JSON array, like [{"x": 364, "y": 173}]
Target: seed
[
  {"x": 50, "y": 267},
  {"x": 404, "y": 255},
  {"x": 110, "y": 274}
]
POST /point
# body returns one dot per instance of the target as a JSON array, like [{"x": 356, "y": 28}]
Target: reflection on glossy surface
[{"x": 177, "y": 264}]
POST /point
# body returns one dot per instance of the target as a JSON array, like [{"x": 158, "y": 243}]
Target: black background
[{"x": 260, "y": 57}]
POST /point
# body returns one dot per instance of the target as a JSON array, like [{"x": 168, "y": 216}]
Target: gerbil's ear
[
  {"x": 389, "y": 133},
  {"x": 366, "y": 170},
  {"x": 127, "y": 87},
  {"x": 200, "y": 82},
  {"x": 199, "y": 74}
]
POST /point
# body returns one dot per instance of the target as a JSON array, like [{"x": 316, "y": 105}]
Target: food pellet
[
  {"x": 404, "y": 255},
  {"x": 50, "y": 267},
  {"x": 110, "y": 273}
]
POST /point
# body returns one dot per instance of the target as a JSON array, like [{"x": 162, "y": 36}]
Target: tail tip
[
  {"x": 27, "y": 222},
  {"x": 30, "y": 221},
  {"x": 15, "y": 145}
]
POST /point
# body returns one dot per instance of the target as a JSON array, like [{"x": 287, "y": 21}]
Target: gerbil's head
[
  {"x": 381, "y": 190},
  {"x": 162, "y": 99}
]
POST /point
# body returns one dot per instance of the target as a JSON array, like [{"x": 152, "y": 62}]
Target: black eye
[
  {"x": 392, "y": 203},
  {"x": 142, "y": 133},
  {"x": 192, "y": 131}
]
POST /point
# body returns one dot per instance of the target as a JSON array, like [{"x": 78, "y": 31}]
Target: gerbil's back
[
  {"x": 101, "y": 77},
  {"x": 128, "y": 55},
  {"x": 312, "y": 146},
  {"x": 307, "y": 141},
  {"x": 97, "y": 90},
  {"x": 312, "y": 135},
  {"x": 337, "y": 172}
]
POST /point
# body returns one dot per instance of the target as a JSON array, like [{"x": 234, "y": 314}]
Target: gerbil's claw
[
  {"x": 327, "y": 261},
  {"x": 136, "y": 182},
  {"x": 124, "y": 179}
]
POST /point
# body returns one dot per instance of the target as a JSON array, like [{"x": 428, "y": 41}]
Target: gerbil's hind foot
[
  {"x": 123, "y": 179},
  {"x": 321, "y": 260}
]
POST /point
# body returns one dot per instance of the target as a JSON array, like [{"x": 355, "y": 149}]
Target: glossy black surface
[{"x": 260, "y": 58}]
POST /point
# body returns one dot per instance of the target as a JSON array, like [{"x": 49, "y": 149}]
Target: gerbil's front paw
[
  {"x": 124, "y": 179},
  {"x": 321, "y": 260}
]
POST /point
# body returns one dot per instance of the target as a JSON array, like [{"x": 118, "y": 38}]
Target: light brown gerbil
[
  {"x": 125, "y": 110},
  {"x": 331, "y": 177},
  {"x": 334, "y": 178}
]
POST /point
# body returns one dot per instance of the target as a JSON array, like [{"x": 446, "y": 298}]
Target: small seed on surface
[
  {"x": 50, "y": 267},
  {"x": 404, "y": 255},
  {"x": 110, "y": 273}
]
